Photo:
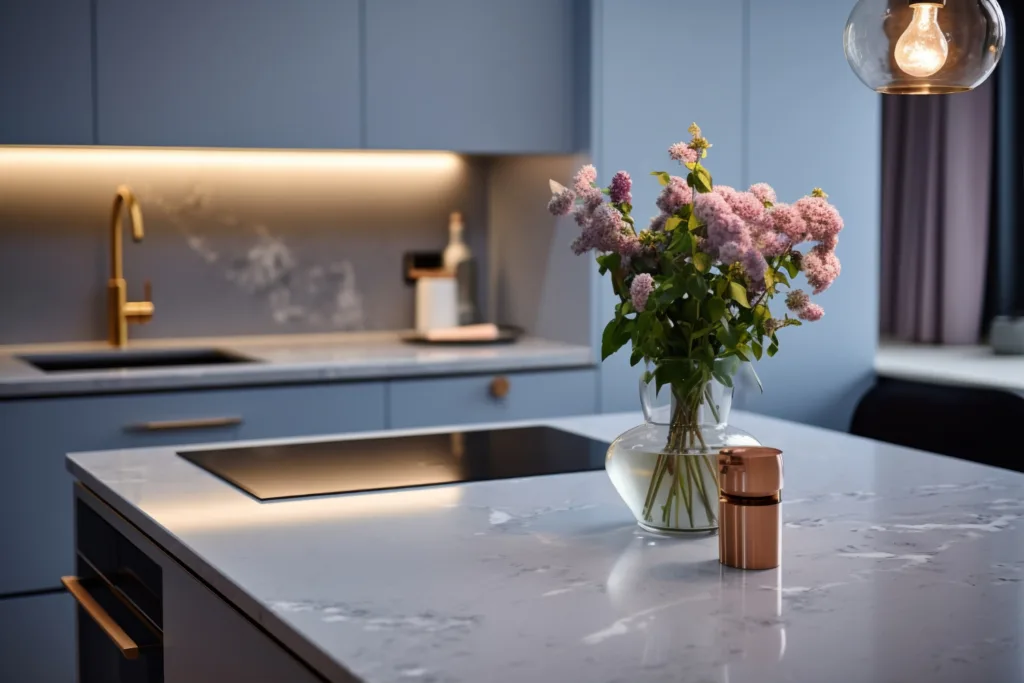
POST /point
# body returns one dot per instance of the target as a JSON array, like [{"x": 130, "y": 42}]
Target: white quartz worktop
[
  {"x": 284, "y": 359},
  {"x": 972, "y": 366},
  {"x": 897, "y": 566}
]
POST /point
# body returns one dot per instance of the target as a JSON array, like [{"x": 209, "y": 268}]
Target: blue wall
[{"x": 769, "y": 84}]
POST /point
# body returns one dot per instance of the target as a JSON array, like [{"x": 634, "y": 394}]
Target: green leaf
[
  {"x": 769, "y": 278},
  {"x": 636, "y": 357},
  {"x": 681, "y": 242},
  {"x": 693, "y": 223},
  {"x": 604, "y": 190},
  {"x": 700, "y": 333},
  {"x": 702, "y": 262},
  {"x": 729, "y": 336},
  {"x": 656, "y": 328},
  {"x": 689, "y": 307},
  {"x": 697, "y": 287},
  {"x": 758, "y": 350},
  {"x": 724, "y": 369},
  {"x": 773, "y": 349},
  {"x": 616, "y": 334},
  {"x": 663, "y": 178},
  {"x": 781, "y": 278},
  {"x": 626, "y": 307},
  {"x": 672, "y": 223},
  {"x": 720, "y": 285},
  {"x": 739, "y": 294},
  {"x": 715, "y": 308},
  {"x": 699, "y": 181},
  {"x": 663, "y": 374},
  {"x": 643, "y": 323},
  {"x": 791, "y": 268},
  {"x": 626, "y": 207},
  {"x": 704, "y": 179},
  {"x": 761, "y": 313},
  {"x": 608, "y": 262},
  {"x": 682, "y": 375},
  {"x": 743, "y": 351}
]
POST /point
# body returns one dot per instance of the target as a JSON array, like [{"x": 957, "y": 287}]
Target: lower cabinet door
[
  {"x": 37, "y": 639},
  {"x": 204, "y": 638},
  {"x": 37, "y": 434},
  {"x": 492, "y": 398}
]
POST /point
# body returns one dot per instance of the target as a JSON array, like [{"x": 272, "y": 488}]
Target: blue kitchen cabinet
[
  {"x": 38, "y": 433},
  {"x": 477, "y": 77},
  {"x": 212, "y": 73},
  {"x": 491, "y": 398},
  {"x": 37, "y": 538},
  {"x": 46, "y": 72}
]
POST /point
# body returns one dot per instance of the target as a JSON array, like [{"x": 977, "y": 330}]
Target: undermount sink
[{"x": 132, "y": 359}]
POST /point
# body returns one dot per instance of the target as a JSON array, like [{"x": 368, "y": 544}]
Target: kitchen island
[{"x": 897, "y": 566}]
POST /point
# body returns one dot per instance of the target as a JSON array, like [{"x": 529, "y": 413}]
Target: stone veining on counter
[
  {"x": 898, "y": 564},
  {"x": 287, "y": 358}
]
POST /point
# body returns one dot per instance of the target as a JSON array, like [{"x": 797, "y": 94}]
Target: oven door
[{"x": 119, "y": 617}]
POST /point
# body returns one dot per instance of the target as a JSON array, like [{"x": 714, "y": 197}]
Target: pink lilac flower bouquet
[{"x": 696, "y": 284}]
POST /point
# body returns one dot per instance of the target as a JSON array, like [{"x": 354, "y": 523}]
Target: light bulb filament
[{"x": 922, "y": 49}]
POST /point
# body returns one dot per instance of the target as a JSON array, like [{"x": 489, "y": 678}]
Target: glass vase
[{"x": 665, "y": 470}]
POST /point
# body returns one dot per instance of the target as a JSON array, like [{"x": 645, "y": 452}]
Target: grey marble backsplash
[{"x": 237, "y": 242}]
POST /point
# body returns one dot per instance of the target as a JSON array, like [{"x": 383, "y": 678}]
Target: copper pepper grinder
[{"x": 750, "y": 504}]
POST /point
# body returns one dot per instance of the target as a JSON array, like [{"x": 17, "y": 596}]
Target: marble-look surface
[
  {"x": 898, "y": 566},
  {"x": 973, "y": 366},
  {"x": 287, "y": 358}
]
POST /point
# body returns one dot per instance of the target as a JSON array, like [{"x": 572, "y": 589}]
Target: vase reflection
[{"x": 726, "y": 623}]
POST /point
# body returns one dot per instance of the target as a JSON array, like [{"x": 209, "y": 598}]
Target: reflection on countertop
[
  {"x": 283, "y": 359},
  {"x": 897, "y": 566}
]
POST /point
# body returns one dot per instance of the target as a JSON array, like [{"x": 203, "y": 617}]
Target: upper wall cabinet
[
  {"x": 206, "y": 73},
  {"x": 472, "y": 76},
  {"x": 45, "y": 72}
]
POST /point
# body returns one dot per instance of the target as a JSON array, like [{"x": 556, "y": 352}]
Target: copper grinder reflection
[{"x": 750, "y": 503}]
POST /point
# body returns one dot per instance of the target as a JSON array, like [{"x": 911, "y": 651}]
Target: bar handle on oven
[{"x": 122, "y": 640}]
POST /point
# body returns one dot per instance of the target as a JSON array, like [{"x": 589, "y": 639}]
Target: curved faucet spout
[
  {"x": 124, "y": 197},
  {"x": 123, "y": 311}
]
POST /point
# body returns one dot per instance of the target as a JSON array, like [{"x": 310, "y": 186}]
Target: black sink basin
[{"x": 132, "y": 359}]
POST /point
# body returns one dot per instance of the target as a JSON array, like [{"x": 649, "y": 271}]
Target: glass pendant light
[{"x": 908, "y": 47}]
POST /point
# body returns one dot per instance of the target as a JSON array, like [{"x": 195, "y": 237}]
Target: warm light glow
[
  {"x": 260, "y": 158},
  {"x": 922, "y": 49},
  {"x": 239, "y": 512}
]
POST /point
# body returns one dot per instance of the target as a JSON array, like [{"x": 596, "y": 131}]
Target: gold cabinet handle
[
  {"x": 500, "y": 387},
  {"x": 198, "y": 423},
  {"x": 124, "y": 643}
]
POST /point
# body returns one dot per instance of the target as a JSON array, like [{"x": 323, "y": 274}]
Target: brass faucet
[{"x": 123, "y": 311}]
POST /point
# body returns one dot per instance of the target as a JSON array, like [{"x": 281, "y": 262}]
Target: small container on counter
[
  {"x": 436, "y": 302},
  {"x": 750, "y": 504}
]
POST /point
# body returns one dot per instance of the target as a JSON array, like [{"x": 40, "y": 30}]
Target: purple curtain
[{"x": 936, "y": 173}]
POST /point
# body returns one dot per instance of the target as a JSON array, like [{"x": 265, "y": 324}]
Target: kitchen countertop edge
[{"x": 317, "y": 360}]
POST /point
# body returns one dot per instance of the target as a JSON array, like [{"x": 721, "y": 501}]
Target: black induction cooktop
[{"x": 325, "y": 467}]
